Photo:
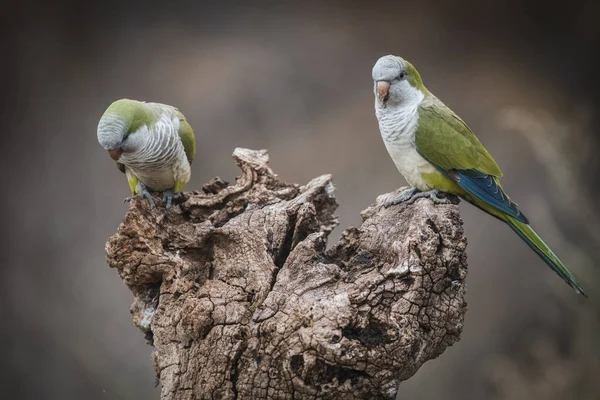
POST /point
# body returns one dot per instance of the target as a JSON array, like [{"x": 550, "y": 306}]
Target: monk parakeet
[
  {"x": 437, "y": 153},
  {"x": 153, "y": 145}
]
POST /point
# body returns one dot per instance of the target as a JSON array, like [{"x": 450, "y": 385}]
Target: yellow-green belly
[{"x": 437, "y": 180}]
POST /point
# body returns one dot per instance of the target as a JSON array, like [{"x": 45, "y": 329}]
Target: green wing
[
  {"x": 186, "y": 134},
  {"x": 446, "y": 141}
]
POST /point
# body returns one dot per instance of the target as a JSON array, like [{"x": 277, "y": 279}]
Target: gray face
[
  {"x": 391, "y": 87},
  {"x": 387, "y": 69},
  {"x": 111, "y": 131},
  {"x": 111, "y": 134}
]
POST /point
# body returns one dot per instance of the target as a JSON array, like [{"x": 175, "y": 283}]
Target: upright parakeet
[
  {"x": 153, "y": 145},
  {"x": 437, "y": 153}
]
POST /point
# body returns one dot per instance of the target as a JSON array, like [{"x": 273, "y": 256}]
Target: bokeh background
[{"x": 294, "y": 78}]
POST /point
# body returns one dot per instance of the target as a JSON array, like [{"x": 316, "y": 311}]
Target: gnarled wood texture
[{"x": 239, "y": 295}]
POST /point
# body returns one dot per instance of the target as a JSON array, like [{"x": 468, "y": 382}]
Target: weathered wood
[{"x": 241, "y": 299}]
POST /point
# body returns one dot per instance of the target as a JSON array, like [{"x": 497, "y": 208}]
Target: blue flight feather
[{"x": 486, "y": 189}]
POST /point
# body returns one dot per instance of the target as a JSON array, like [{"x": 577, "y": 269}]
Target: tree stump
[{"x": 241, "y": 299}]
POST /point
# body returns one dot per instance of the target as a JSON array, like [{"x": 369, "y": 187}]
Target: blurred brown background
[{"x": 296, "y": 79}]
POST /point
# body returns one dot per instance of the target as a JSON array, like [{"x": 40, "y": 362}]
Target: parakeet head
[
  {"x": 396, "y": 82},
  {"x": 122, "y": 125}
]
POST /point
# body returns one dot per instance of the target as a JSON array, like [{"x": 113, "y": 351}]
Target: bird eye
[{"x": 402, "y": 74}]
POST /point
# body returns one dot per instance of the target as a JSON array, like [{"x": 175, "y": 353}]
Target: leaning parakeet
[
  {"x": 437, "y": 153},
  {"x": 153, "y": 145}
]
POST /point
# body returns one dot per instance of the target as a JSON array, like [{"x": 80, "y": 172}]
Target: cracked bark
[{"x": 240, "y": 297}]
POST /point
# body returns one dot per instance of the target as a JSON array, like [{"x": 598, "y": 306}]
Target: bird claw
[
  {"x": 433, "y": 196},
  {"x": 405, "y": 195},
  {"x": 168, "y": 196},
  {"x": 409, "y": 196},
  {"x": 145, "y": 194},
  {"x": 148, "y": 197}
]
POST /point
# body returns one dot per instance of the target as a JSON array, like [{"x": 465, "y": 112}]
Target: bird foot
[
  {"x": 409, "y": 196},
  {"x": 433, "y": 195},
  {"x": 145, "y": 194},
  {"x": 405, "y": 195},
  {"x": 168, "y": 196}
]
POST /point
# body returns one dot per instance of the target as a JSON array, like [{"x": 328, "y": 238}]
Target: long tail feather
[{"x": 537, "y": 244}]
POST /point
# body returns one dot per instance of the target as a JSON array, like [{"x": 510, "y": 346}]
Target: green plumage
[
  {"x": 435, "y": 150},
  {"x": 445, "y": 140},
  {"x": 133, "y": 113},
  {"x": 186, "y": 134},
  {"x": 152, "y": 143},
  {"x": 536, "y": 243}
]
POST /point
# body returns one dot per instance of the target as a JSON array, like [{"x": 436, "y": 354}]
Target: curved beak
[
  {"x": 382, "y": 88},
  {"x": 115, "y": 154}
]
